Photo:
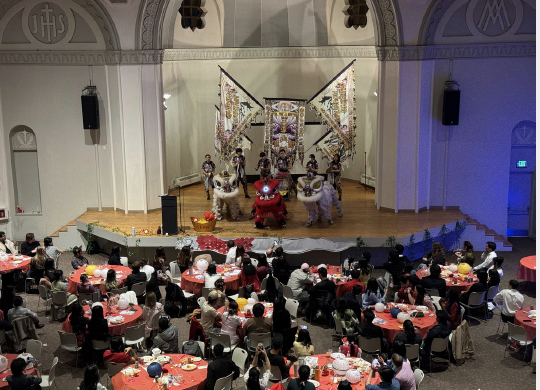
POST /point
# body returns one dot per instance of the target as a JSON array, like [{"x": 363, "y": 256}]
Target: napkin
[
  {"x": 378, "y": 320},
  {"x": 236, "y": 272},
  {"x": 199, "y": 277},
  {"x": 126, "y": 312}
]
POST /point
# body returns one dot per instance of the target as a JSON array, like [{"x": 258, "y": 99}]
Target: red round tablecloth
[
  {"x": 191, "y": 284},
  {"x": 527, "y": 269},
  {"x": 325, "y": 380},
  {"x": 391, "y": 328},
  {"x": 4, "y": 374},
  {"x": 114, "y": 329},
  {"x": 529, "y": 324},
  {"x": 8, "y": 266},
  {"x": 461, "y": 286},
  {"x": 192, "y": 380},
  {"x": 75, "y": 278}
]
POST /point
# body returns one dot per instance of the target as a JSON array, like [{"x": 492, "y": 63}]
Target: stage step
[
  {"x": 490, "y": 234},
  {"x": 67, "y": 236}
]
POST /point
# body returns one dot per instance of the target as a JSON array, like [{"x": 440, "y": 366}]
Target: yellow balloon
[
  {"x": 241, "y": 303},
  {"x": 90, "y": 269},
  {"x": 464, "y": 268}
]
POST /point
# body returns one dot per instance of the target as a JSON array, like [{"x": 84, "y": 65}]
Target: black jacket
[
  {"x": 220, "y": 367},
  {"x": 26, "y": 248},
  {"x": 394, "y": 269},
  {"x": 324, "y": 285},
  {"x": 114, "y": 260},
  {"x": 370, "y": 331},
  {"x": 153, "y": 286},
  {"x": 438, "y": 331},
  {"x": 435, "y": 283},
  {"x": 477, "y": 287},
  {"x": 281, "y": 320},
  {"x": 403, "y": 338},
  {"x": 353, "y": 304},
  {"x": 132, "y": 279}
]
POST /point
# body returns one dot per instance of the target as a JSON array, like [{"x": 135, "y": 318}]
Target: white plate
[
  {"x": 196, "y": 359},
  {"x": 421, "y": 308},
  {"x": 315, "y": 383},
  {"x": 16, "y": 262},
  {"x": 337, "y": 355},
  {"x": 189, "y": 367}
]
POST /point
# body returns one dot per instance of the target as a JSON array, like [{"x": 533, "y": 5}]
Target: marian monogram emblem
[
  {"x": 495, "y": 17},
  {"x": 48, "y": 23}
]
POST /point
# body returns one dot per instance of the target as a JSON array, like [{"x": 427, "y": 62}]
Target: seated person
[
  {"x": 262, "y": 266},
  {"x": 422, "y": 298},
  {"x": 98, "y": 328},
  {"x": 493, "y": 278},
  {"x": 211, "y": 276},
  {"x": 248, "y": 276},
  {"x": 136, "y": 275},
  {"x": 19, "y": 381},
  {"x": 299, "y": 279},
  {"x": 151, "y": 308},
  {"x": 110, "y": 281},
  {"x": 400, "y": 249},
  {"x": 258, "y": 323},
  {"x": 325, "y": 284},
  {"x": 479, "y": 287},
  {"x": 77, "y": 320},
  {"x": 346, "y": 316},
  {"x": 167, "y": 339},
  {"x": 78, "y": 260},
  {"x": 394, "y": 266},
  {"x": 253, "y": 375},
  {"x": 220, "y": 367},
  {"x": 48, "y": 275},
  {"x": 409, "y": 335},
  {"x": 352, "y": 301},
  {"x": 210, "y": 318},
  {"x": 230, "y": 321},
  {"x": 511, "y": 300},
  {"x": 147, "y": 268},
  {"x": 28, "y": 247},
  {"x": 497, "y": 265},
  {"x": 301, "y": 383},
  {"x": 59, "y": 284},
  {"x": 434, "y": 280},
  {"x": 114, "y": 258},
  {"x": 403, "y": 372},
  {"x": 453, "y": 308},
  {"x": 281, "y": 317},
  {"x": 302, "y": 344},
  {"x": 219, "y": 289},
  {"x": 355, "y": 281},
  {"x": 118, "y": 353},
  {"x": 368, "y": 330},
  {"x": 275, "y": 357},
  {"x": 18, "y": 311},
  {"x": 387, "y": 379},
  {"x": 374, "y": 293},
  {"x": 407, "y": 292},
  {"x": 85, "y": 287},
  {"x": 441, "y": 330}
]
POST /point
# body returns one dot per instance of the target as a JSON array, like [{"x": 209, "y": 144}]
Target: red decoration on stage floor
[{"x": 215, "y": 244}]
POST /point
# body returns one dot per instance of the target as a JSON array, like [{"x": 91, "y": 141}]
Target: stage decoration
[
  {"x": 317, "y": 196},
  {"x": 268, "y": 201},
  {"x": 187, "y": 241},
  {"x": 237, "y": 109},
  {"x": 146, "y": 232},
  {"x": 201, "y": 225},
  {"x": 226, "y": 193},
  {"x": 335, "y": 104},
  {"x": 284, "y": 128},
  {"x": 215, "y": 244}
]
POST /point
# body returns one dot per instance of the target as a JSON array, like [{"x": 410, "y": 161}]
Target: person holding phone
[
  {"x": 18, "y": 380},
  {"x": 253, "y": 378}
]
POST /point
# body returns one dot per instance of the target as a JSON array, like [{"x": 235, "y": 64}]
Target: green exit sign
[{"x": 521, "y": 164}]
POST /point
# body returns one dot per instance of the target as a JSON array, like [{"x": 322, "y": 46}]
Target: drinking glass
[{"x": 329, "y": 353}]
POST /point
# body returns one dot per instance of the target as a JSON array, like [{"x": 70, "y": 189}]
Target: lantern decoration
[
  {"x": 402, "y": 317},
  {"x": 241, "y": 303},
  {"x": 3, "y": 363},
  {"x": 340, "y": 366},
  {"x": 464, "y": 268},
  {"x": 353, "y": 376},
  {"x": 122, "y": 303},
  {"x": 379, "y": 307},
  {"x": 154, "y": 370},
  {"x": 90, "y": 269},
  {"x": 202, "y": 265},
  {"x": 452, "y": 268},
  {"x": 395, "y": 312}
]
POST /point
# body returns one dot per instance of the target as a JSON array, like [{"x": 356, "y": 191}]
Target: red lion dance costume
[{"x": 268, "y": 202}]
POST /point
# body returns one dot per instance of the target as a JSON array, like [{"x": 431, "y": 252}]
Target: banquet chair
[
  {"x": 100, "y": 346},
  {"x": 518, "y": 334},
  {"x": 2, "y": 339},
  {"x": 88, "y": 297},
  {"x": 176, "y": 274},
  {"x": 432, "y": 292},
  {"x": 172, "y": 278},
  {"x": 201, "y": 345},
  {"x": 224, "y": 383},
  {"x": 155, "y": 324},
  {"x": 113, "y": 369},
  {"x": 206, "y": 292},
  {"x": 68, "y": 341},
  {"x": 287, "y": 292},
  {"x": 439, "y": 345},
  {"x": 413, "y": 353},
  {"x": 48, "y": 380},
  {"x": 135, "y": 335},
  {"x": 256, "y": 338},
  {"x": 360, "y": 298},
  {"x": 119, "y": 290},
  {"x": 201, "y": 301},
  {"x": 139, "y": 289},
  {"x": 254, "y": 296},
  {"x": 33, "y": 347},
  {"x": 255, "y": 262},
  {"x": 276, "y": 375},
  {"x": 418, "y": 377},
  {"x": 124, "y": 261},
  {"x": 339, "y": 331},
  {"x": 239, "y": 357},
  {"x": 221, "y": 338},
  {"x": 369, "y": 346},
  {"x": 492, "y": 291},
  {"x": 476, "y": 301},
  {"x": 59, "y": 301},
  {"x": 43, "y": 294},
  {"x": 396, "y": 298},
  {"x": 291, "y": 305}
]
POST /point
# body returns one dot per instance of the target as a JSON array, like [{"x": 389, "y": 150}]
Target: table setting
[
  {"x": 12, "y": 262},
  {"x": 97, "y": 276}
]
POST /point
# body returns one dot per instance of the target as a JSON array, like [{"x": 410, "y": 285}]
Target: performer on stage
[
  {"x": 264, "y": 164},
  {"x": 208, "y": 168},
  {"x": 334, "y": 174},
  {"x": 283, "y": 164},
  {"x": 239, "y": 165},
  {"x": 312, "y": 167}
]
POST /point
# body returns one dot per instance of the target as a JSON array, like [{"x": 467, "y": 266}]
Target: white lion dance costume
[
  {"x": 226, "y": 192},
  {"x": 317, "y": 196}
]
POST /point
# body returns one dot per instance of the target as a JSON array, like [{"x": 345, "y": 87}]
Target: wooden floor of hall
[{"x": 360, "y": 218}]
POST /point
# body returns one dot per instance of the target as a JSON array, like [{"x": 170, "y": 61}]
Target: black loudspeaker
[
  {"x": 169, "y": 214},
  {"x": 90, "y": 112},
  {"x": 450, "y": 111}
]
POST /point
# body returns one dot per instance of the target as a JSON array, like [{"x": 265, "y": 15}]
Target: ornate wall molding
[
  {"x": 98, "y": 13},
  {"x": 74, "y": 58},
  {"x": 431, "y": 21},
  {"x": 390, "y": 22}
]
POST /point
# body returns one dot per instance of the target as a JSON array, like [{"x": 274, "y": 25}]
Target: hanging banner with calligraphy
[
  {"x": 284, "y": 128},
  {"x": 329, "y": 145},
  {"x": 335, "y": 104},
  {"x": 237, "y": 109}
]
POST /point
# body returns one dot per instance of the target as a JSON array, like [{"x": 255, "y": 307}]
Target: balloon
[
  {"x": 340, "y": 366},
  {"x": 241, "y": 303},
  {"x": 202, "y": 265},
  {"x": 154, "y": 370},
  {"x": 394, "y": 312},
  {"x": 3, "y": 363},
  {"x": 453, "y": 268},
  {"x": 90, "y": 269},
  {"x": 464, "y": 268},
  {"x": 122, "y": 303},
  {"x": 353, "y": 376},
  {"x": 379, "y": 307},
  {"x": 97, "y": 273},
  {"x": 248, "y": 307},
  {"x": 402, "y": 317},
  {"x": 251, "y": 301}
]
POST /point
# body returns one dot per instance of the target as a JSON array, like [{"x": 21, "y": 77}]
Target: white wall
[{"x": 190, "y": 117}]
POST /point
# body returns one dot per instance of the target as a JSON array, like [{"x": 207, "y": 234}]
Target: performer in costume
[
  {"x": 312, "y": 167},
  {"x": 283, "y": 165},
  {"x": 208, "y": 168},
  {"x": 318, "y": 195},
  {"x": 334, "y": 174},
  {"x": 268, "y": 201},
  {"x": 264, "y": 164},
  {"x": 239, "y": 165}
]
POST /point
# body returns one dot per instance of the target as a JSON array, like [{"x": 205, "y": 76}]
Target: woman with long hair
[
  {"x": 436, "y": 256},
  {"x": 248, "y": 276},
  {"x": 302, "y": 343},
  {"x": 91, "y": 379},
  {"x": 253, "y": 378},
  {"x": 151, "y": 308},
  {"x": 110, "y": 281},
  {"x": 52, "y": 251},
  {"x": 114, "y": 258},
  {"x": 453, "y": 309},
  {"x": 374, "y": 293},
  {"x": 37, "y": 264},
  {"x": 58, "y": 284},
  {"x": 409, "y": 335},
  {"x": 97, "y": 326},
  {"x": 240, "y": 255},
  {"x": 423, "y": 298},
  {"x": 184, "y": 258},
  {"x": 211, "y": 276},
  {"x": 345, "y": 315},
  {"x": 77, "y": 320},
  {"x": 230, "y": 321},
  {"x": 365, "y": 270},
  {"x": 262, "y": 266},
  {"x": 281, "y": 317},
  {"x": 271, "y": 287},
  {"x": 301, "y": 383},
  {"x": 85, "y": 287},
  {"x": 48, "y": 275}
]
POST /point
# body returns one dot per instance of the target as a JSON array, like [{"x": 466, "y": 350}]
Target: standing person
[
  {"x": 28, "y": 248},
  {"x": 264, "y": 165},
  {"x": 284, "y": 166},
  {"x": 239, "y": 165},
  {"x": 488, "y": 256},
  {"x": 220, "y": 367},
  {"x": 208, "y": 169},
  {"x": 512, "y": 301},
  {"x": 78, "y": 260},
  {"x": 184, "y": 258},
  {"x": 299, "y": 279},
  {"x": 312, "y": 166},
  {"x": 281, "y": 266},
  {"x": 400, "y": 249},
  {"x": 18, "y": 380},
  {"x": 52, "y": 251},
  {"x": 6, "y": 245},
  {"x": 114, "y": 258},
  {"x": 334, "y": 173}
]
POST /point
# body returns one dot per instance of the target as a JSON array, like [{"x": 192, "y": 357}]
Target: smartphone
[
  {"x": 260, "y": 346},
  {"x": 304, "y": 326},
  {"x": 275, "y": 243}
]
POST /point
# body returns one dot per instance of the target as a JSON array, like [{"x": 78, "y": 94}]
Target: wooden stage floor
[{"x": 360, "y": 218}]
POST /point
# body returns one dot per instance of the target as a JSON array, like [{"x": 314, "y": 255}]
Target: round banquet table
[
  {"x": 192, "y": 380},
  {"x": 325, "y": 380},
  {"x": 522, "y": 319},
  {"x": 461, "y": 285},
  {"x": 23, "y": 264},
  {"x": 75, "y": 278},
  {"x": 391, "y": 328},
  {"x": 332, "y": 270},
  {"x": 527, "y": 269},
  {"x": 191, "y": 284},
  {"x": 268, "y": 310},
  {"x": 4, "y": 374},
  {"x": 114, "y": 329}
]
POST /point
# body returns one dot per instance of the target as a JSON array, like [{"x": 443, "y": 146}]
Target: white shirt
[
  {"x": 512, "y": 301},
  {"x": 500, "y": 270},
  {"x": 231, "y": 256},
  {"x": 297, "y": 282},
  {"x": 148, "y": 270},
  {"x": 210, "y": 280},
  {"x": 263, "y": 379},
  {"x": 487, "y": 260}
]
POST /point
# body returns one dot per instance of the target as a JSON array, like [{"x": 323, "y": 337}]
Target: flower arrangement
[{"x": 146, "y": 232}]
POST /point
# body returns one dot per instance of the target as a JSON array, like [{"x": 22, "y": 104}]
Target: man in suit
[
  {"x": 371, "y": 331},
  {"x": 220, "y": 367},
  {"x": 441, "y": 330}
]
